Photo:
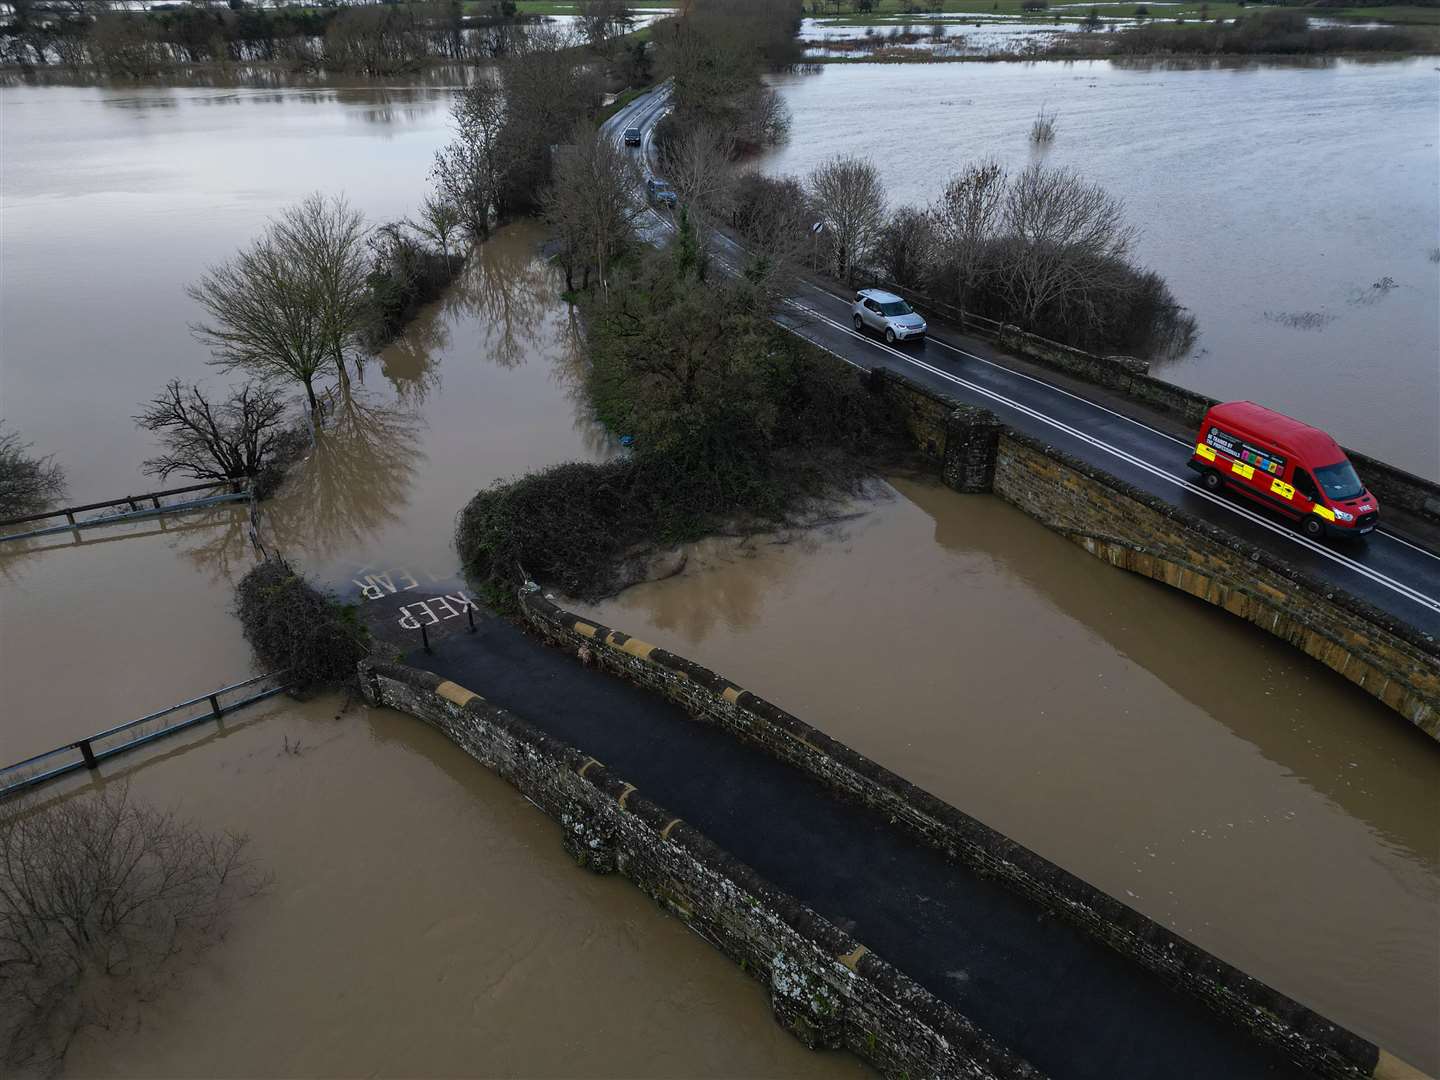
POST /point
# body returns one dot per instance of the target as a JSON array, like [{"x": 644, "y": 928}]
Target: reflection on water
[
  {"x": 423, "y": 921},
  {"x": 355, "y": 481},
  {"x": 511, "y": 293},
  {"x": 1272, "y": 815},
  {"x": 1254, "y": 186}
]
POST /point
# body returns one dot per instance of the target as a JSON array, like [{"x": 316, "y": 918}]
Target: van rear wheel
[{"x": 1212, "y": 480}]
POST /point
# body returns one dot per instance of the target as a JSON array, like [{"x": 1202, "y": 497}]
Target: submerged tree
[
  {"x": 288, "y": 305},
  {"x": 28, "y": 484},
  {"x": 233, "y": 439},
  {"x": 100, "y": 897}
]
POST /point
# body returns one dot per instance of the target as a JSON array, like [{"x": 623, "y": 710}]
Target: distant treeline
[
  {"x": 1274, "y": 32},
  {"x": 370, "y": 39}
]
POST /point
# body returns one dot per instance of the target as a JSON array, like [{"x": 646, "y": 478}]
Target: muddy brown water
[{"x": 424, "y": 920}]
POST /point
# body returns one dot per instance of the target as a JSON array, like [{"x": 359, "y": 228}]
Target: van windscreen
[{"x": 1339, "y": 480}]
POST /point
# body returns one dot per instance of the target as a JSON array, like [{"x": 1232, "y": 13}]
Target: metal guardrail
[
  {"x": 133, "y": 501},
  {"x": 89, "y": 752}
]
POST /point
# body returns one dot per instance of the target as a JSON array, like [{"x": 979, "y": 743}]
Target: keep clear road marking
[{"x": 1399, "y": 587}]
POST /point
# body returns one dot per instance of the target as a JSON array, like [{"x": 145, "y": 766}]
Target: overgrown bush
[
  {"x": 732, "y": 420},
  {"x": 404, "y": 276},
  {"x": 297, "y": 628}
]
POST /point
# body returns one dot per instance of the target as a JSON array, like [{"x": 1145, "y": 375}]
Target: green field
[{"x": 890, "y": 12}]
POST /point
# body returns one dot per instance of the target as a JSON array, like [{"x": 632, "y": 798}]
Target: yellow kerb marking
[
  {"x": 626, "y": 793},
  {"x": 732, "y": 694},
  {"x": 586, "y": 767},
  {"x": 1389, "y": 1067},
  {"x": 852, "y": 959},
  {"x": 665, "y": 832},
  {"x": 454, "y": 692},
  {"x": 638, "y": 648},
  {"x": 585, "y": 629}
]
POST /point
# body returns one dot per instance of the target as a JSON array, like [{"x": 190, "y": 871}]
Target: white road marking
[{"x": 1360, "y": 568}]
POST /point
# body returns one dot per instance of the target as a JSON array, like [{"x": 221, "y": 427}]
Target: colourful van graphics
[{"x": 1286, "y": 465}]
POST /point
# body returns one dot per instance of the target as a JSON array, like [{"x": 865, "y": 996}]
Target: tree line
[
  {"x": 373, "y": 39},
  {"x": 1042, "y": 247}
]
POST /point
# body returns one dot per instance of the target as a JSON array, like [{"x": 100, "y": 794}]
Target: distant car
[
  {"x": 633, "y": 137},
  {"x": 661, "y": 192},
  {"x": 888, "y": 315}
]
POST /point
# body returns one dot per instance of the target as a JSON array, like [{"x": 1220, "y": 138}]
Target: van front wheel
[
  {"x": 1314, "y": 527},
  {"x": 1212, "y": 480}
]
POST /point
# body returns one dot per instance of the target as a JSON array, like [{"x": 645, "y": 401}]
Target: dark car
[
  {"x": 633, "y": 137},
  {"x": 661, "y": 192}
]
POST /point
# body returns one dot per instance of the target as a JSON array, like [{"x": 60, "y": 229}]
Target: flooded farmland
[
  {"x": 1294, "y": 209},
  {"x": 424, "y": 919}
]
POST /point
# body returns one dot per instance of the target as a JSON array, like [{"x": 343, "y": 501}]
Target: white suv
[{"x": 887, "y": 314}]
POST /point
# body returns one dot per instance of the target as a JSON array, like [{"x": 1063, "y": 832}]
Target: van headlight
[{"x": 1344, "y": 515}]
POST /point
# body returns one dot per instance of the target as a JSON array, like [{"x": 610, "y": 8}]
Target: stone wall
[
  {"x": 824, "y": 986},
  {"x": 1314, "y": 1042},
  {"x": 1130, "y": 528}
]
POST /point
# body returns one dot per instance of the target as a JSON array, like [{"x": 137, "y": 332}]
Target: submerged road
[{"x": 1395, "y": 575}]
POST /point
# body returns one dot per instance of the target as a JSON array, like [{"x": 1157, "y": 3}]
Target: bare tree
[
  {"x": 231, "y": 440},
  {"x": 438, "y": 221},
  {"x": 699, "y": 165},
  {"x": 326, "y": 237},
  {"x": 966, "y": 218},
  {"x": 28, "y": 484},
  {"x": 287, "y": 305},
  {"x": 99, "y": 895},
  {"x": 1063, "y": 234},
  {"x": 470, "y": 171},
  {"x": 906, "y": 247},
  {"x": 594, "y": 200},
  {"x": 850, "y": 198}
]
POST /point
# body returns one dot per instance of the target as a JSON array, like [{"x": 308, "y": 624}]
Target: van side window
[{"x": 1306, "y": 486}]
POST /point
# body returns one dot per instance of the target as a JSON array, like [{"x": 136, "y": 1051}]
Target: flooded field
[
  {"x": 424, "y": 919},
  {"x": 1258, "y": 190}
]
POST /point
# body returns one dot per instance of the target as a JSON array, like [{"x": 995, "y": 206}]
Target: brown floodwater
[
  {"x": 1198, "y": 769},
  {"x": 424, "y": 920}
]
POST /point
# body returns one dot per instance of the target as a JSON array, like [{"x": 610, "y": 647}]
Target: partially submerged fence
[
  {"x": 131, "y": 508},
  {"x": 89, "y": 752}
]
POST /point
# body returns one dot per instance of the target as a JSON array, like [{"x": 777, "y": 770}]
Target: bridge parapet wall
[
  {"x": 825, "y": 987},
  {"x": 1306, "y": 1037},
  {"x": 1130, "y": 528}
]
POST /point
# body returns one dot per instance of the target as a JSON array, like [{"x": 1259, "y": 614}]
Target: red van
[{"x": 1289, "y": 466}]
